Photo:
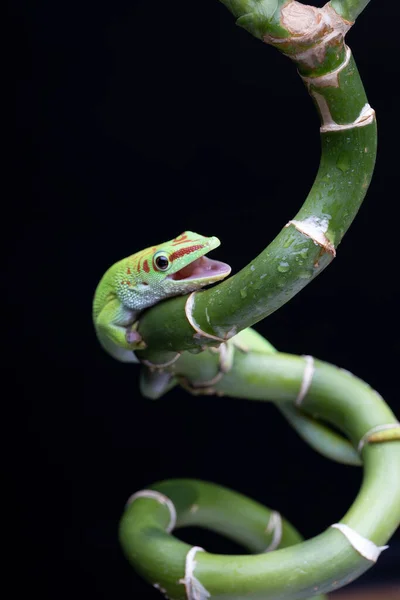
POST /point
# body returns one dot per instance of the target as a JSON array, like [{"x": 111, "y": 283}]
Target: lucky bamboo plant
[{"x": 203, "y": 342}]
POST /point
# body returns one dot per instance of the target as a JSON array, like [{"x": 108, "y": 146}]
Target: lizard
[{"x": 139, "y": 281}]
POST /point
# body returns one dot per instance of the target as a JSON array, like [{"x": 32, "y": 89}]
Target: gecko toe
[{"x": 133, "y": 337}]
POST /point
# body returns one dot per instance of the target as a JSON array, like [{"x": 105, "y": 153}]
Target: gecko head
[
  {"x": 183, "y": 265},
  {"x": 176, "y": 267}
]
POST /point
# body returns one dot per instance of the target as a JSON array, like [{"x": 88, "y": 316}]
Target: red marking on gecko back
[
  {"x": 182, "y": 251},
  {"x": 128, "y": 271},
  {"x": 146, "y": 267}
]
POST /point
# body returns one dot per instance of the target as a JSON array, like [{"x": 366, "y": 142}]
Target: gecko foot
[{"x": 135, "y": 339}]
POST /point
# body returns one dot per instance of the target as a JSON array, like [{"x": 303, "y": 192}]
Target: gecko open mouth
[{"x": 202, "y": 268}]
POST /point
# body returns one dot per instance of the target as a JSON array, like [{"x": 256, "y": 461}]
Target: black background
[{"x": 136, "y": 121}]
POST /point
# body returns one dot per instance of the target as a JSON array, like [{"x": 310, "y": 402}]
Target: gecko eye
[{"x": 161, "y": 261}]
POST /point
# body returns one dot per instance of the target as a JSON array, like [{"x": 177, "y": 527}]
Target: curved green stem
[
  {"x": 200, "y": 504},
  {"x": 297, "y": 571},
  {"x": 320, "y": 437},
  {"x": 308, "y": 243}
]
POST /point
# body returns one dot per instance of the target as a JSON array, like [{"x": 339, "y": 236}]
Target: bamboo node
[
  {"x": 315, "y": 228},
  {"x": 366, "y": 116},
  {"x": 330, "y": 79},
  {"x": 311, "y": 32},
  {"x": 275, "y": 527},
  {"x": 160, "y": 366},
  {"x": 162, "y": 499},
  {"x": 189, "y": 305},
  {"x": 362, "y": 545},
  {"x": 194, "y": 589},
  {"x": 307, "y": 379},
  {"x": 366, "y": 438}
]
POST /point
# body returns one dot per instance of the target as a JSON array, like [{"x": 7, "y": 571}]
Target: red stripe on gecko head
[
  {"x": 185, "y": 241},
  {"x": 181, "y": 237},
  {"x": 146, "y": 267},
  {"x": 182, "y": 251}
]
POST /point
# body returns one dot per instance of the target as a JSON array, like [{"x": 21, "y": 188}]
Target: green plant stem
[
  {"x": 349, "y": 9},
  {"x": 292, "y": 259},
  {"x": 199, "y": 504},
  {"x": 338, "y": 398},
  {"x": 320, "y": 437}
]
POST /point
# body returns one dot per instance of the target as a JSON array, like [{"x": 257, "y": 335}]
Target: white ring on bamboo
[
  {"x": 330, "y": 79},
  {"x": 275, "y": 527},
  {"x": 308, "y": 375},
  {"x": 362, "y": 545},
  {"x": 366, "y": 116},
  {"x": 315, "y": 229},
  {"x": 194, "y": 589},
  {"x": 162, "y": 499},
  {"x": 209, "y": 382},
  {"x": 376, "y": 429},
  {"x": 224, "y": 366},
  {"x": 156, "y": 366},
  {"x": 188, "y": 312},
  {"x": 225, "y": 352},
  {"x": 317, "y": 52}
]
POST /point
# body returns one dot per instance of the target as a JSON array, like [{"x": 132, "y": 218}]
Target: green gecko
[{"x": 141, "y": 280}]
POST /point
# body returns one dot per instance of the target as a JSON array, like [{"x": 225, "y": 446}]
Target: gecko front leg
[{"x": 116, "y": 328}]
